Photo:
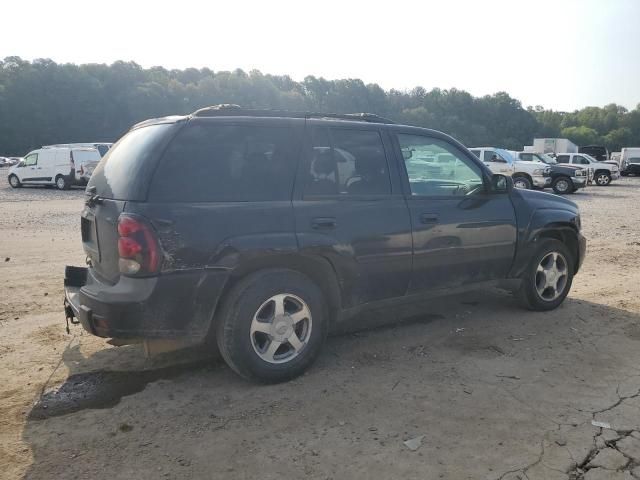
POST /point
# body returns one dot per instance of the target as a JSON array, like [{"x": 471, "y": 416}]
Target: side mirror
[{"x": 501, "y": 183}]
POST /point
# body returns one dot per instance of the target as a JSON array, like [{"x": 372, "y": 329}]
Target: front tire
[
  {"x": 603, "y": 179},
  {"x": 272, "y": 325},
  {"x": 548, "y": 277},
  {"x": 14, "y": 181},
  {"x": 522, "y": 182},
  {"x": 562, "y": 185}
]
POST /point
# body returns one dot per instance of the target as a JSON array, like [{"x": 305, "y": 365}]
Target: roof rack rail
[{"x": 230, "y": 110}]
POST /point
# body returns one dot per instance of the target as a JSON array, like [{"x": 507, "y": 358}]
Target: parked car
[
  {"x": 563, "y": 179},
  {"x": 603, "y": 172},
  {"x": 600, "y": 153},
  {"x": 238, "y": 227},
  {"x": 59, "y": 166},
  {"x": 525, "y": 175},
  {"x": 5, "y": 162},
  {"x": 15, "y": 160},
  {"x": 630, "y": 161},
  {"x": 530, "y": 172},
  {"x": 102, "y": 147},
  {"x": 498, "y": 160}
]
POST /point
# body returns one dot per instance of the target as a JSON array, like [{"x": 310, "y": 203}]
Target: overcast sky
[{"x": 562, "y": 54}]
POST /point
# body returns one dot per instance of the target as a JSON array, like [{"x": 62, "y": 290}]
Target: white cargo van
[{"x": 59, "y": 166}]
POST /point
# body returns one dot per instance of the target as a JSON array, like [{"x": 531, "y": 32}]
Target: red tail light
[{"x": 138, "y": 246}]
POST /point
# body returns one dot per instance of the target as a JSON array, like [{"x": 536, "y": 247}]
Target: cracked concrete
[{"x": 499, "y": 393}]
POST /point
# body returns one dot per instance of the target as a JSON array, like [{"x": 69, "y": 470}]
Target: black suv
[{"x": 259, "y": 229}]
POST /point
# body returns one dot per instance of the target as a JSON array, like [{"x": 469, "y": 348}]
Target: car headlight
[
  {"x": 539, "y": 171},
  {"x": 580, "y": 173}
]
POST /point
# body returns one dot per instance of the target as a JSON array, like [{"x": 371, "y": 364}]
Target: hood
[{"x": 546, "y": 200}]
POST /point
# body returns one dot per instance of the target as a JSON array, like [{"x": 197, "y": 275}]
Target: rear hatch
[{"x": 122, "y": 176}]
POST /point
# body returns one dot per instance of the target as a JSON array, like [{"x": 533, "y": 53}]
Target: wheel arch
[
  {"x": 318, "y": 269},
  {"x": 566, "y": 233},
  {"x": 523, "y": 174},
  {"x": 558, "y": 224}
]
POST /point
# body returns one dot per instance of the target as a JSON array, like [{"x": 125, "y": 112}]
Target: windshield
[
  {"x": 546, "y": 158},
  {"x": 505, "y": 154}
]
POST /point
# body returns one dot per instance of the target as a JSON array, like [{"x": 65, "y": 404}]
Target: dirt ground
[{"x": 482, "y": 389}]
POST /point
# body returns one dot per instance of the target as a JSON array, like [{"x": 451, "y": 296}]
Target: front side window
[
  {"x": 227, "y": 163},
  {"x": 493, "y": 156},
  {"x": 526, "y": 157},
  {"x": 346, "y": 162},
  {"x": 476, "y": 153},
  {"x": 581, "y": 160},
  {"x": 437, "y": 168},
  {"x": 31, "y": 160}
]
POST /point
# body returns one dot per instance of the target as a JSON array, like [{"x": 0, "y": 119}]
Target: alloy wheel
[
  {"x": 603, "y": 179},
  {"x": 552, "y": 275},
  {"x": 281, "y": 328},
  {"x": 562, "y": 185}
]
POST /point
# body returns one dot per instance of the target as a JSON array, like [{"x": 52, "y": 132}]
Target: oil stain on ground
[{"x": 101, "y": 389}]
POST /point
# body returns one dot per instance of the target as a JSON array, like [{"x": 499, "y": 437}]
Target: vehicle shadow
[{"x": 184, "y": 402}]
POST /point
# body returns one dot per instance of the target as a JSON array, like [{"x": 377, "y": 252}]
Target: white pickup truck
[
  {"x": 525, "y": 174},
  {"x": 603, "y": 172}
]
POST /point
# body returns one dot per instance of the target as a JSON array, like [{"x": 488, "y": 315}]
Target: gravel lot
[{"x": 484, "y": 389}]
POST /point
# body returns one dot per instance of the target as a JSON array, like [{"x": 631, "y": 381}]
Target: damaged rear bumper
[{"x": 175, "y": 305}]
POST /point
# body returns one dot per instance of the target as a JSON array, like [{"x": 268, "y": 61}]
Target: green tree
[{"x": 580, "y": 135}]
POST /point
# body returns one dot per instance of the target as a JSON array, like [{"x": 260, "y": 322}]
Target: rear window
[
  {"x": 227, "y": 163},
  {"x": 124, "y": 172}
]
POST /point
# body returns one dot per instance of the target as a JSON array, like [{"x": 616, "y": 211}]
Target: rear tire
[
  {"x": 562, "y": 185},
  {"x": 548, "y": 277},
  {"x": 61, "y": 183},
  {"x": 14, "y": 181},
  {"x": 522, "y": 182},
  {"x": 272, "y": 325}
]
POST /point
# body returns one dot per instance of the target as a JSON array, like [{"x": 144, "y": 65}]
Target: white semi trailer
[{"x": 554, "y": 145}]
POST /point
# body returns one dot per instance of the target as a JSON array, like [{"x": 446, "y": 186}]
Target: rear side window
[
  {"x": 124, "y": 172},
  {"x": 346, "y": 162},
  {"x": 526, "y": 157},
  {"x": 562, "y": 158},
  {"x": 227, "y": 163}
]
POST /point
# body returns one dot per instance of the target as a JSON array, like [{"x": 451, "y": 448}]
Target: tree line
[{"x": 43, "y": 102}]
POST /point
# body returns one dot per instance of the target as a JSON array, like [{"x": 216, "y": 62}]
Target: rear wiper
[{"x": 94, "y": 198}]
